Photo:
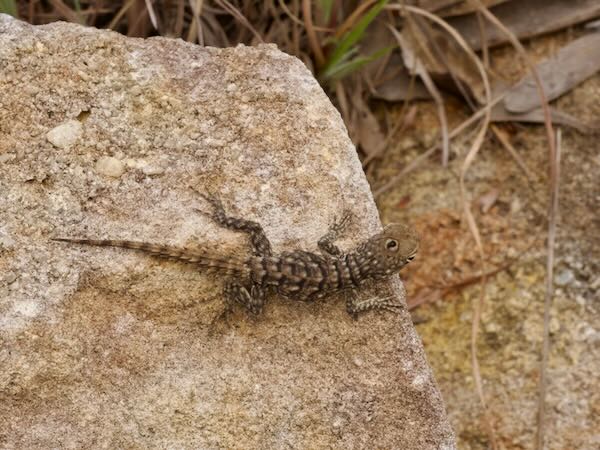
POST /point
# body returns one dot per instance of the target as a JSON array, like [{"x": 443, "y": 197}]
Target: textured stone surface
[{"x": 104, "y": 347}]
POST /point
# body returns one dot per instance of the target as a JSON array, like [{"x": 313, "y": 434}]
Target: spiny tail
[{"x": 223, "y": 264}]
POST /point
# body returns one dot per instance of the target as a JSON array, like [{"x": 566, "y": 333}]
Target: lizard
[{"x": 299, "y": 274}]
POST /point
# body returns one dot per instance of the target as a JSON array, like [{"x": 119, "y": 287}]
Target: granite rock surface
[{"x": 106, "y": 136}]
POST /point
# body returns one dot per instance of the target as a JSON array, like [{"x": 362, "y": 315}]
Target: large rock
[{"x": 102, "y": 136}]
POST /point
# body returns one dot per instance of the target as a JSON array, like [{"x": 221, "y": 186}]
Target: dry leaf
[
  {"x": 574, "y": 63},
  {"x": 526, "y": 18}
]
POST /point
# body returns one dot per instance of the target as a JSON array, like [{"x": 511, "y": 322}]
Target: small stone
[
  {"x": 66, "y": 134},
  {"x": 492, "y": 327},
  {"x": 6, "y": 242},
  {"x": 109, "y": 166},
  {"x": 153, "y": 170},
  {"x": 5, "y": 157},
  {"x": 10, "y": 277},
  {"x": 515, "y": 205},
  {"x": 337, "y": 422},
  {"x": 564, "y": 277},
  {"x": 131, "y": 163}
]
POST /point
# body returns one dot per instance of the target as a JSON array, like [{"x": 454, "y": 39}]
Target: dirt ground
[{"x": 511, "y": 212}]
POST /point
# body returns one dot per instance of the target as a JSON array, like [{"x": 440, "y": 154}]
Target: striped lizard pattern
[{"x": 297, "y": 275}]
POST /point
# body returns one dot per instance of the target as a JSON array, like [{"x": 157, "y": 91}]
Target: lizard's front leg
[
  {"x": 253, "y": 299},
  {"x": 326, "y": 242},
  {"x": 258, "y": 238}
]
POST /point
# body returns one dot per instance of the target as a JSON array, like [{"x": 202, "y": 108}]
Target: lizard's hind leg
[
  {"x": 326, "y": 242},
  {"x": 252, "y": 299},
  {"x": 354, "y": 305},
  {"x": 258, "y": 238}
]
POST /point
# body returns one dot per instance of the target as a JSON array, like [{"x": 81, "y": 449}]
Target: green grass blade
[
  {"x": 8, "y": 7},
  {"x": 344, "y": 67},
  {"x": 354, "y": 35},
  {"x": 325, "y": 6}
]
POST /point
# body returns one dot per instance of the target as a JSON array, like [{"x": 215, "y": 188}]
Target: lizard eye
[
  {"x": 391, "y": 245},
  {"x": 410, "y": 258}
]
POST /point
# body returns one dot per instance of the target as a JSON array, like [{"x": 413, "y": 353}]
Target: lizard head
[{"x": 387, "y": 252}]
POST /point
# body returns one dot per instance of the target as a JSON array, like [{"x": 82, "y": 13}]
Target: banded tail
[{"x": 230, "y": 265}]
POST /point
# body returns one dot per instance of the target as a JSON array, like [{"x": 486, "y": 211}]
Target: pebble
[
  {"x": 109, "y": 166},
  {"x": 6, "y": 157},
  {"x": 66, "y": 134},
  {"x": 6, "y": 242},
  {"x": 10, "y": 277},
  {"x": 153, "y": 170},
  {"x": 564, "y": 277}
]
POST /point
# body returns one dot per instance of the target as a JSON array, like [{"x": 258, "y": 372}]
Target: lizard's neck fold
[{"x": 357, "y": 266}]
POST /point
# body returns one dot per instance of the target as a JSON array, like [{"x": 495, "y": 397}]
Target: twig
[{"x": 539, "y": 445}]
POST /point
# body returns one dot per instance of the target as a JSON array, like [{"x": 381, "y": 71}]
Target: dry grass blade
[
  {"x": 311, "y": 33},
  {"x": 398, "y": 127},
  {"x": 419, "y": 68},
  {"x": 356, "y": 15},
  {"x": 483, "y": 38},
  {"x": 552, "y": 161},
  {"x": 503, "y": 138},
  {"x": 297, "y": 20},
  {"x": 421, "y": 158},
  {"x": 196, "y": 25},
  {"x": 240, "y": 17},
  {"x": 544, "y": 103},
  {"x": 472, "y": 153},
  {"x": 500, "y": 114},
  {"x": 178, "y": 26},
  {"x": 119, "y": 15},
  {"x": 539, "y": 445},
  {"x": 65, "y": 11},
  {"x": 340, "y": 94},
  {"x": 152, "y": 14}
]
